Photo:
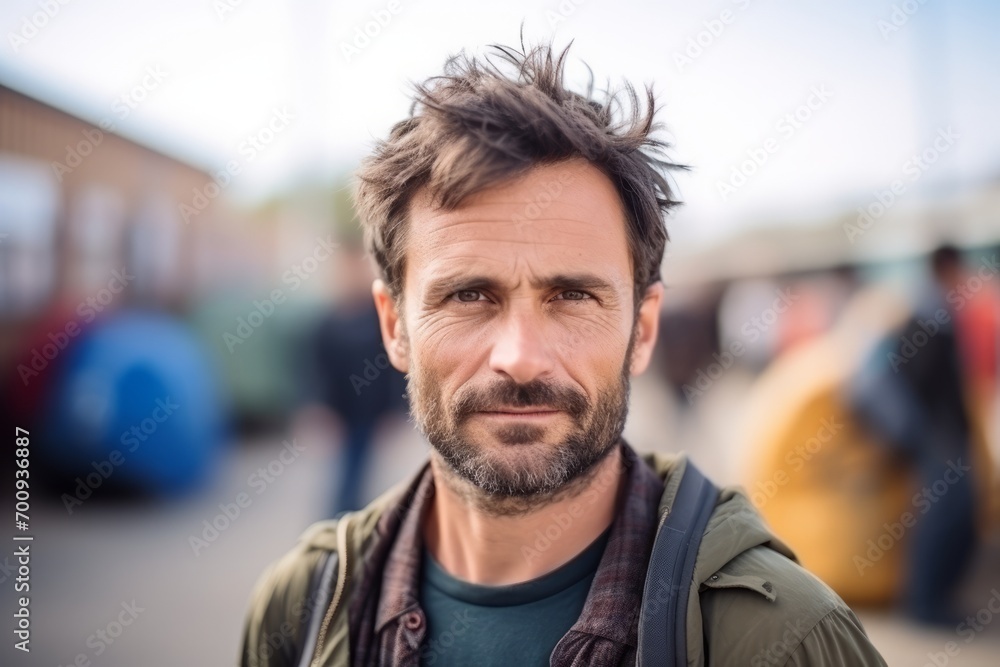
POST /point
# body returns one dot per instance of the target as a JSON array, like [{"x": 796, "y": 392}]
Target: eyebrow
[{"x": 440, "y": 288}]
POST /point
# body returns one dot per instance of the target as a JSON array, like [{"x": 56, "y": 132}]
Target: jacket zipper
[{"x": 338, "y": 592}]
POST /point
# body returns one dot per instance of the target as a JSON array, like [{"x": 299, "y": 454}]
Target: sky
[{"x": 828, "y": 101}]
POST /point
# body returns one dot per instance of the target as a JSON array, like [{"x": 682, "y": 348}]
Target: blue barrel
[{"x": 136, "y": 406}]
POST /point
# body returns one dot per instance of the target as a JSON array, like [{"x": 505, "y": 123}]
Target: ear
[
  {"x": 393, "y": 328},
  {"x": 647, "y": 326}
]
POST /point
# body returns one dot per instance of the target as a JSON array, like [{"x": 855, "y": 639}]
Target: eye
[
  {"x": 574, "y": 295},
  {"x": 467, "y": 295},
  {"x": 473, "y": 296}
]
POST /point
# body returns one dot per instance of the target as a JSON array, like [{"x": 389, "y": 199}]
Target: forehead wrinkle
[
  {"x": 548, "y": 213},
  {"x": 509, "y": 209},
  {"x": 535, "y": 229}
]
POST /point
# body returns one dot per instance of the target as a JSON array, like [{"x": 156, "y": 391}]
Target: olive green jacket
[{"x": 750, "y": 603}]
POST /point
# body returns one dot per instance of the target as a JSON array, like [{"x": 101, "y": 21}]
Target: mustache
[{"x": 536, "y": 393}]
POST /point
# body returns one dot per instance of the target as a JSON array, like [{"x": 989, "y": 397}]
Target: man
[
  {"x": 518, "y": 228},
  {"x": 914, "y": 399},
  {"x": 344, "y": 344}
]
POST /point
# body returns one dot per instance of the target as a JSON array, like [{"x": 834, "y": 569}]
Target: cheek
[
  {"x": 603, "y": 334},
  {"x": 592, "y": 354},
  {"x": 449, "y": 350},
  {"x": 596, "y": 339}
]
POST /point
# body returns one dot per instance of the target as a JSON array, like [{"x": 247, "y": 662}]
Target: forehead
[{"x": 555, "y": 218}]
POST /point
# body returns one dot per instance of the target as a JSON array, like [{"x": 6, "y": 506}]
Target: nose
[{"x": 520, "y": 348}]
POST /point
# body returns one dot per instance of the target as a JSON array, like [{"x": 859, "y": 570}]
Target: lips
[{"x": 521, "y": 412}]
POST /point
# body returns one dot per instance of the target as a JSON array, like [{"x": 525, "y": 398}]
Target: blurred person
[
  {"x": 353, "y": 375},
  {"x": 912, "y": 394},
  {"x": 519, "y": 232}
]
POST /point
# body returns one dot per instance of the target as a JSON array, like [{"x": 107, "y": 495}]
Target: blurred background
[{"x": 186, "y": 326}]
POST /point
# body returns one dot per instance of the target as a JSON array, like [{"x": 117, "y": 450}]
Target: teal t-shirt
[{"x": 520, "y": 624}]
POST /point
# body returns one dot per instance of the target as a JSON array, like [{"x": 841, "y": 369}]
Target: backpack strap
[
  {"x": 320, "y": 592},
  {"x": 663, "y": 616}
]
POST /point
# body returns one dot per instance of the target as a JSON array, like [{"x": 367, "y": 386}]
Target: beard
[{"x": 513, "y": 467}]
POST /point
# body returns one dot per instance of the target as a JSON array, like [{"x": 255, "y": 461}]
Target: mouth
[{"x": 520, "y": 413}]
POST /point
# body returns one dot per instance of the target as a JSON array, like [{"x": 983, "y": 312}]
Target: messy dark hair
[{"x": 477, "y": 126}]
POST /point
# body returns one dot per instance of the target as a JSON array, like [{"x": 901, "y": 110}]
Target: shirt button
[{"x": 412, "y": 621}]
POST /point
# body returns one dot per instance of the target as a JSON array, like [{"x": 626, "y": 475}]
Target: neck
[{"x": 485, "y": 547}]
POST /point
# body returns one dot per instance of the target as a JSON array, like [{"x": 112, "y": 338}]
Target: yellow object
[{"x": 822, "y": 482}]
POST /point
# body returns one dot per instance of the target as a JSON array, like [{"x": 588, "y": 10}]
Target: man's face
[{"x": 518, "y": 329}]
